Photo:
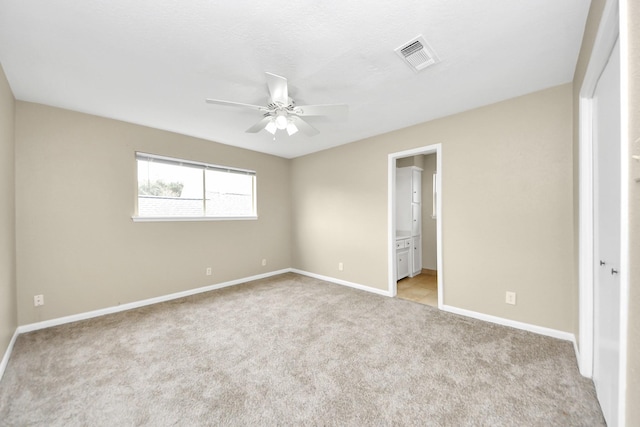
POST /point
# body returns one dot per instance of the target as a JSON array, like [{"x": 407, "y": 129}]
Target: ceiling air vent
[{"x": 418, "y": 54}]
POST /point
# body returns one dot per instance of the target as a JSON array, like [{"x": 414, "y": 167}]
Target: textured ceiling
[{"x": 153, "y": 62}]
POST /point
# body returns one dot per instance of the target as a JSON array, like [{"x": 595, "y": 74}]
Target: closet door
[{"x": 607, "y": 238}]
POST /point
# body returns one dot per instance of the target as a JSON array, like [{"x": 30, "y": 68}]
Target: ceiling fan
[{"x": 282, "y": 112}]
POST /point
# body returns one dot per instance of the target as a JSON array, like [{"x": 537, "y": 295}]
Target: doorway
[{"x": 418, "y": 263}]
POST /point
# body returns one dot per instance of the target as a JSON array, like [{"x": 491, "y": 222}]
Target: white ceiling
[{"x": 153, "y": 62}]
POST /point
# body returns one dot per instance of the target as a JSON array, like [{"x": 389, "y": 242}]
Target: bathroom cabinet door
[
  {"x": 402, "y": 264},
  {"x": 416, "y": 219},
  {"x": 416, "y": 256},
  {"x": 416, "y": 186}
]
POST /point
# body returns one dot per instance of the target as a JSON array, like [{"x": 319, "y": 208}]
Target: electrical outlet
[
  {"x": 264, "y": 262},
  {"x": 208, "y": 271},
  {"x": 510, "y": 298},
  {"x": 38, "y": 300},
  {"x": 340, "y": 266}
]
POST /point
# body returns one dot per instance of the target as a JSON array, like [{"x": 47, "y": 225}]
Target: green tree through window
[
  {"x": 177, "y": 188},
  {"x": 160, "y": 188}
]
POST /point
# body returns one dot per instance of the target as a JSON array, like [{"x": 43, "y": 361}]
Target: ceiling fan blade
[
  {"x": 278, "y": 89},
  {"x": 305, "y": 127},
  {"x": 333, "y": 110},
  {"x": 236, "y": 104},
  {"x": 260, "y": 125}
]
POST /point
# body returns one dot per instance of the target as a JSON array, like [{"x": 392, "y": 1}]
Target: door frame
[
  {"x": 608, "y": 33},
  {"x": 391, "y": 215}
]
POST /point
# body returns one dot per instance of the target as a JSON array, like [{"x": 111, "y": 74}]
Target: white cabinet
[
  {"x": 408, "y": 200},
  {"x": 416, "y": 255},
  {"x": 402, "y": 264},
  {"x": 403, "y": 258},
  {"x": 403, "y": 200},
  {"x": 416, "y": 184},
  {"x": 409, "y": 216},
  {"x": 416, "y": 219}
]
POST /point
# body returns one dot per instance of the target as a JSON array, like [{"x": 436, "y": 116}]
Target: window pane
[
  {"x": 229, "y": 194},
  {"x": 166, "y": 190}
]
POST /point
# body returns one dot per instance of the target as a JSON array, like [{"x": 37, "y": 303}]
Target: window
[{"x": 174, "y": 189}]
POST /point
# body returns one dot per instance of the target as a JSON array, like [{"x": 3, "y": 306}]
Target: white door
[{"x": 607, "y": 180}]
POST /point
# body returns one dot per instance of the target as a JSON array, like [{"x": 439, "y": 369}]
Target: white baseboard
[
  {"x": 554, "y": 333},
  {"x": 136, "y": 304},
  {"x": 7, "y": 353},
  {"x": 576, "y": 349},
  {"x": 342, "y": 282},
  {"x": 128, "y": 306}
]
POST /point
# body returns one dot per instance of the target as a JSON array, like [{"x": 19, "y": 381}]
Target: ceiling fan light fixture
[
  {"x": 281, "y": 121},
  {"x": 291, "y": 128},
  {"x": 271, "y": 127},
  {"x": 281, "y": 112}
]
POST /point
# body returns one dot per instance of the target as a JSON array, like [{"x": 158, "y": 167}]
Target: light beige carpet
[{"x": 291, "y": 350}]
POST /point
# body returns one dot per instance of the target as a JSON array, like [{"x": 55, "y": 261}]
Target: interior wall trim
[
  {"x": 540, "y": 330},
  {"x": 136, "y": 304},
  {"x": 7, "y": 353},
  {"x": 342, "y": 282}
]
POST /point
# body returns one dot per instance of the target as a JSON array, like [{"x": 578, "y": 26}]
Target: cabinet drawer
[{"x": 403, "y": 243}]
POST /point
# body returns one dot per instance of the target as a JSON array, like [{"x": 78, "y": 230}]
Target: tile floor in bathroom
[{"x": 422, "y": 288}]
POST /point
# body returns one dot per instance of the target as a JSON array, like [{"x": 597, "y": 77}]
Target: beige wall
[
  {"x": 76, "y": 242},
  {"x": 8, "y": 317},
  {"x": 507, "y": 207},
  {"x": 405, "y": 162},
  {"x": 429, "y": 225},
  {"x": 340, "y": 213},
  {"x": 78, "y": 246},
  {"x": 633, "y": 351}
]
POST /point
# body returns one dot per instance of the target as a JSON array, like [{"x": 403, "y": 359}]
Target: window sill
[{"x": 195, "y": 218}]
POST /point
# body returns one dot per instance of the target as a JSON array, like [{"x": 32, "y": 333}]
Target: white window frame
[{"x": 199, "y": 165}]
